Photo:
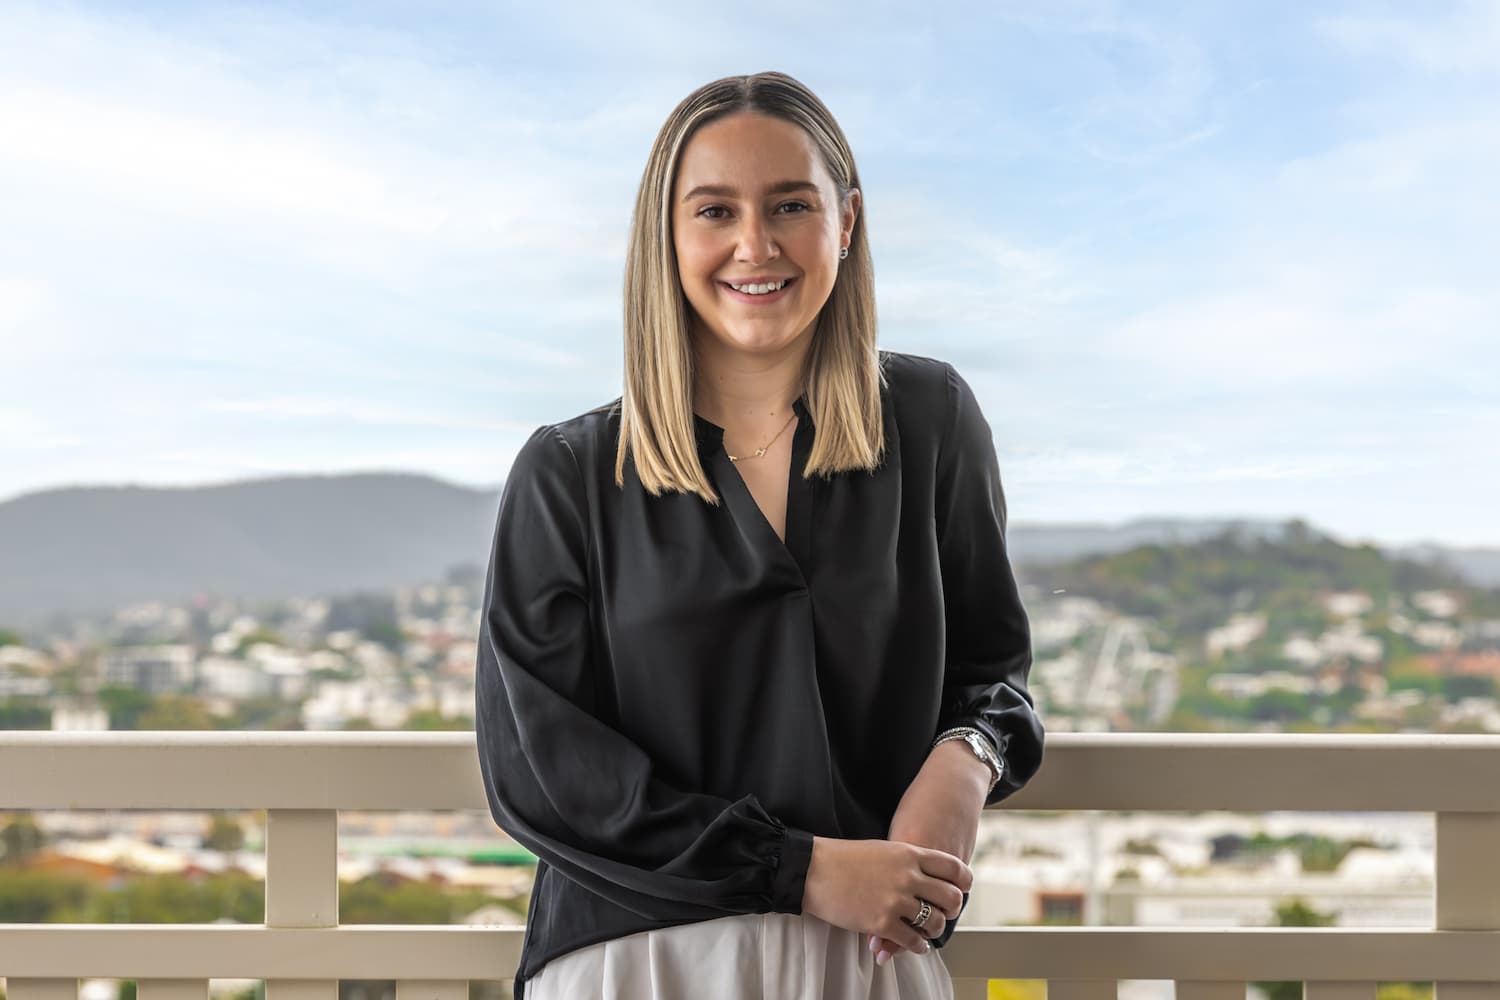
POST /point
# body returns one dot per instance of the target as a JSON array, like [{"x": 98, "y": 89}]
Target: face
[{"x": 747, "y": 228}]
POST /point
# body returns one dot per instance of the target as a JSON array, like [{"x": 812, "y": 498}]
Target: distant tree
[
  {"x": 124, "y": 705},
  {"x": 1457, "y": 686},
  {"x": 170, "y": 898},
  {"x": 25, "y": 713},
  {"x": 10, "y": 638},
  {"x": 359, "y": 611},
  {"x": 429, "y": 721},
  {"x": 176, "y": 712},
  {"x": 20, "y": 839},
  {"x": 1295, "y": 913},
  {"x": 224, "y": 834},
  {"x": 1277, "y": 705},
  {"x": 382, "y": 898},
  {"x": 258, "y": 636},
  {"x": 40, "y": 897},
  {"x": 386, "y": 632},
  {"x": 267, "y": 713}
]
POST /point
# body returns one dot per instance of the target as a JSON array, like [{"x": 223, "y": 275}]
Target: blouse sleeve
[
  {"x": 573, "y": 790},
  {"x": 988, "y": 635}
]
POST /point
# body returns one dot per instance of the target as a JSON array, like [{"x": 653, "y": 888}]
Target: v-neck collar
[
  {"x": 711, "y": 435},
  {"x": 790, "y": 555}
]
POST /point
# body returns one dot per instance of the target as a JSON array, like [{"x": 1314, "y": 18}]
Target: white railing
[{"x": 304, "y": 779}]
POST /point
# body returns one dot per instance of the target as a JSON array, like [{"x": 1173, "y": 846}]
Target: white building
[{"x": 152, "y": 669}]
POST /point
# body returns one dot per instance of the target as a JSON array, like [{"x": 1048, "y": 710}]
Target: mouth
[{"x": 759, "y": 300}]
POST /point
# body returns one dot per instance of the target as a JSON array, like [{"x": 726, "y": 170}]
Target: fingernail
[
  {"x": 926, "y": 947},
  {"x": 872, "y": 943},
  {"x": 882, "y": 957}
]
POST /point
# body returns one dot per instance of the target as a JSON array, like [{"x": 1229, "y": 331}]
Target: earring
[{"x": 843, "y": 253}]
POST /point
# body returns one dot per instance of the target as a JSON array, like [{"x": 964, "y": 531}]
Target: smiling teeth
[{"x": 758, "y": 289}]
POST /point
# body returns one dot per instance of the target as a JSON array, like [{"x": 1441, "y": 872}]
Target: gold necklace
[{"x": 761, "y": 451}]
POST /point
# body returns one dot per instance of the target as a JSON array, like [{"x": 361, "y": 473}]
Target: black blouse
[{"x": 671, "y": 702}]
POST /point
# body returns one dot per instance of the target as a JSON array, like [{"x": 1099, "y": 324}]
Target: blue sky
[{"x": 1196, "y": 259}]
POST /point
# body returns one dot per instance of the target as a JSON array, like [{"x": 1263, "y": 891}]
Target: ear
[{"x": 850, "y": 212}]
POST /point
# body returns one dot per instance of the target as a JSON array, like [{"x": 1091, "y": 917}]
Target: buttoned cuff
[{"x": 791, "y": 874}]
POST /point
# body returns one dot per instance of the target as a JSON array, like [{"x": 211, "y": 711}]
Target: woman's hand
[
  {"x": 940, "y": 810},
  {"x": 872, "y": 886}
]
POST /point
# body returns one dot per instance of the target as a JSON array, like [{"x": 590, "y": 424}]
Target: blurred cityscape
[{"x": 1294, "y": 632}]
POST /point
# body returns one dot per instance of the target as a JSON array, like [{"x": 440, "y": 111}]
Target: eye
[{"x": 721, "y": 208}]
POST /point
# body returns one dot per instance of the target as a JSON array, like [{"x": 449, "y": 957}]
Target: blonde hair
[{"x": 843, "y": 376}]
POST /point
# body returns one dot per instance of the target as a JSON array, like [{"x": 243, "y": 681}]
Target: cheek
[{"x": 693, "y": 262}]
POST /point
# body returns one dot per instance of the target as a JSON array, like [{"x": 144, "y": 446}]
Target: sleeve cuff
[{"x": 791, "y": 873}]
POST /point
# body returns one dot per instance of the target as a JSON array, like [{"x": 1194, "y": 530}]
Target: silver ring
[{"x": 922, "y": 914}]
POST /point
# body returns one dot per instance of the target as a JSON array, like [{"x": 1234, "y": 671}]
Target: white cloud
[
  {"x": 25, "y": 431},
  {"x": 132, "y": 153},
  {"x": 343, "y": 243},
  {"x": 357, "y": 412},
  {"x": 1466, "y": 40},
  {"x": 1259, "y": 338}
]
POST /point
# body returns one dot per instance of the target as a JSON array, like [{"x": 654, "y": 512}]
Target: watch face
[{"x": 982, "y": 751}]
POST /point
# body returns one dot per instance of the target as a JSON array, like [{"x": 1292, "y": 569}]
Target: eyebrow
[{"x": 780, "y": 187}]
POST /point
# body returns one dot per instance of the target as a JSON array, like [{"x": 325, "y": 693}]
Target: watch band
[{"x": 982, "y": 747}]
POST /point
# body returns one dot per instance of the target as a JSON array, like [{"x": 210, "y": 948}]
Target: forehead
[{"x": 748, "y": 151}]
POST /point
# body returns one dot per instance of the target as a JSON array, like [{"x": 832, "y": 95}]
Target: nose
[{"x": 754, "y": 243}]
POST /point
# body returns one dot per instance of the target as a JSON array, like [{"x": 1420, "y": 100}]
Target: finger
[
  {"x": 944, "y": 896},
  {"x": 903, "y": 940},
  {"x": 948, "y": 867},
  {"x": 914, "y": 941},
  {"x": 911, "y": 938},
  {"x": 933, "y": 926}
]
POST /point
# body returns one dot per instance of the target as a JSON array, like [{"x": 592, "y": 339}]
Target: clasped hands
[{"x": 940, "y": 810}]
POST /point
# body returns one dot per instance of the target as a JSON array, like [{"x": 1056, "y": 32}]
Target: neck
[{"x": 747, "y": 391}]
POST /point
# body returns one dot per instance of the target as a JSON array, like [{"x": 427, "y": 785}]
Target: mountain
[
  {"x": 93, "y": 549},
  {"x": 1045, "y": 544}
]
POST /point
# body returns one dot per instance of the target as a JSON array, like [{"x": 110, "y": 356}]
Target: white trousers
[{"x": 751, "y": 956}]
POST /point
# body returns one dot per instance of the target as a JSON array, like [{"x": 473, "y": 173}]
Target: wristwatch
[{"x": 980, "y": 744}]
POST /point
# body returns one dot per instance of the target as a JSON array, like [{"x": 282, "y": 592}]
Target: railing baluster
[
  {"x": 305, "y": 778},
  {"x": 302, "y": 886},
  {"x": 41, "y": 989},
  {"x": 969, "y": 988},
  {"x": 1467, "y": 888}
]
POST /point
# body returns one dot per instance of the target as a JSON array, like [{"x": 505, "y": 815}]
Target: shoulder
[
  {"x": 558, "y": 449},
  {"x": 588, "y": 434},
  {"x": 919, "y": 385}
]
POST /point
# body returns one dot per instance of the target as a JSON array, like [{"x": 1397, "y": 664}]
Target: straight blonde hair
[{"x": 843, "y": 376}]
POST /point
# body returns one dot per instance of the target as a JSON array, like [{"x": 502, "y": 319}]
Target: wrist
[
  {"x": 956, "y": 758},
  {"x": 983, "y": 749}
]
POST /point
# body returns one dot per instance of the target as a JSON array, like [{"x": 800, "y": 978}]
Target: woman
[{"x": 752, "y": 658}]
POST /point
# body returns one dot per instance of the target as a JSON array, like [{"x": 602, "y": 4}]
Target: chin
[{"x": 751, "y": 340}]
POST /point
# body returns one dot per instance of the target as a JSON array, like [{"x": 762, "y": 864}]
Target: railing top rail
[
  {"x": 439, "y": 771},
  {"x": 1232, "y": 954}
]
